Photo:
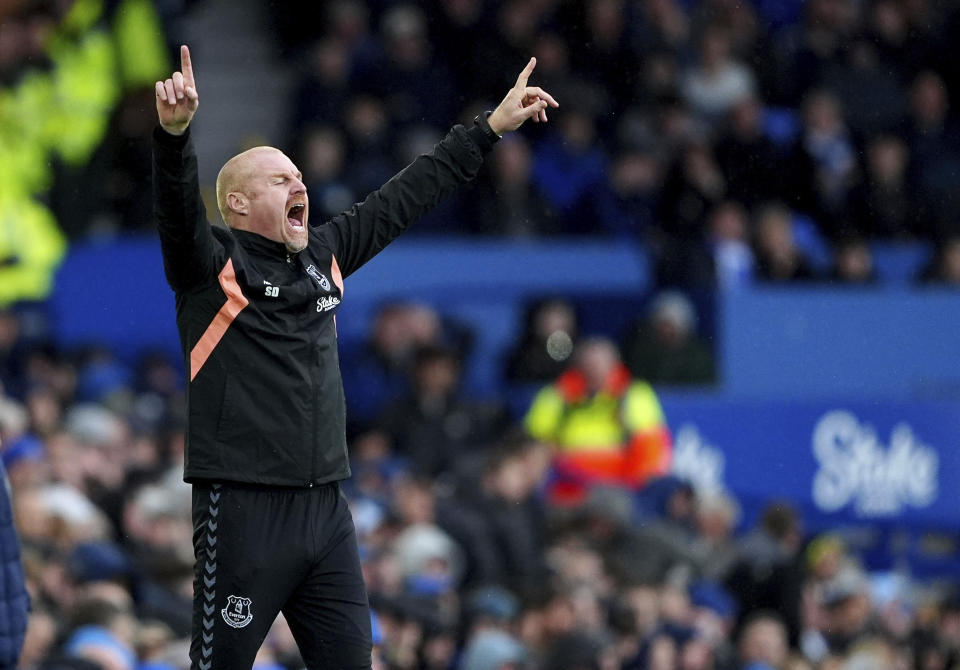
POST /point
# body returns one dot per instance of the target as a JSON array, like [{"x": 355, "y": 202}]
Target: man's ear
[{"x": 238, "y": 203}]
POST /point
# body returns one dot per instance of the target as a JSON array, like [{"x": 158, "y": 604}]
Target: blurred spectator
[
  {"x": 507, "y": 499},
  {"x": 733, "y": 260},
  {"x": 902, "y": 35},
  {"x": 607, "y": 428},
  {"x": 871, "y": 95},
  {"x": 763, "y": 641},
  {"x": 507, "y": 203},
  {"x": 569, "y": 169},
  {"x": 377, "y": 370},
  {"x": 408, "y": 77},
  {"x": 367, "y": 126},
  {"x": 322, "y": 162},
  {"x": 694, "y": 187},
  {"x": 41, "y": 632},
  {"x": 546, "y": 343},
  {"x": 493, "y": 650},
  {"x": 807, "y": 50},
  {"x": 717, "y": 516},
  {"x": 883, "y": 204},
  {"x": 779, "y": 259},
  {"x": 455, "y": 27},
  {"x": 514, "y": 31},
  {"x": 664, "y": 348},
  {"x": 945, "y": 267},
  {"x": 768, "y": 575},
  {"x": 823, "y": 162},
  {"x": 601, "y": 27},
  {"x": 853, "y": 263},
  {"x": 631, "y": 204},
  {"x": 695, "y": 184},
  {"x": 847, "y": 603},
  {"x": 718, "y": 81},
  {"x": 748, "y": 158},
  {"x": 434, "y": 424},
  {"x": 115, "y": 178},
  {"x": 663, "y": 27},
  {"x": 933, "y": 138},
  {"x": 322, "y": 94}
]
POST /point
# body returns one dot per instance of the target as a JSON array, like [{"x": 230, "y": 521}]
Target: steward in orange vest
[{"x": 606, "y": 428}]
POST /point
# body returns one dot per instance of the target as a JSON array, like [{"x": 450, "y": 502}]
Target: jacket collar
[{"x": 258, "y": 243}]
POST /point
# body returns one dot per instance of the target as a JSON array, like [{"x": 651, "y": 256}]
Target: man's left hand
[{"x": 521, "y": 103}]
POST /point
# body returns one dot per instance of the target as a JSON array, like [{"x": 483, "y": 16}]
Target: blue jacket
[{"x": 14, "y": 601}]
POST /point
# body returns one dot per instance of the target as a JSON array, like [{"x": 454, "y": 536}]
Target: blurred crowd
[
  {"x": 736, "y": 141},
  {"x": 733, "y": 139},
  {"x": 471, "y": 560}
]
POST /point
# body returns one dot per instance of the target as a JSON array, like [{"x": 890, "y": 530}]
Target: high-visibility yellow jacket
[
  {"x": 618, "y": 435},
  {"x": 64, "y": 111}
]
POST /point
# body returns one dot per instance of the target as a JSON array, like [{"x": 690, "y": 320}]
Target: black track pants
[{"x": 263, "y": 550}]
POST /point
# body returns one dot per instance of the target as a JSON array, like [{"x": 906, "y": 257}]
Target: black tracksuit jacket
[{"x": 258, "y": 324}]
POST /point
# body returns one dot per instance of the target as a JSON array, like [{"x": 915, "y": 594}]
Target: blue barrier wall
[
  {"x": 886, "y": 472},
  {"x": 842, "y": 461},
  {"x": 115, "y": 293},
  {"x": 818, "y": 342}
]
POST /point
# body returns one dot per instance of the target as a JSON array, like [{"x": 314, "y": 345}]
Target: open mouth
[{"x": 295, "y": 215}]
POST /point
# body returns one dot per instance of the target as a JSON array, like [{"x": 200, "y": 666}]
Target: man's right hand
[{"x": 177, "y": 98}]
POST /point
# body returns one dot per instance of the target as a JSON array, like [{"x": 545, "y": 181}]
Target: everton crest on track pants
[{"x": 262, "y": 550}]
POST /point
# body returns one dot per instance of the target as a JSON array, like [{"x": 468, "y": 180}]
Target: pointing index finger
[
  {"x": 186, "y": 66},
  {"x": 525, "y": 74}
]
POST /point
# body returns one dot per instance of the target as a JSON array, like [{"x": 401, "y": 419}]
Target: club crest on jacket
[{"x": 319, "y": 276}]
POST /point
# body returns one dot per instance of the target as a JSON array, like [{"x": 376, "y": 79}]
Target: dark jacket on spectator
[{"x": 14, "y": 601}]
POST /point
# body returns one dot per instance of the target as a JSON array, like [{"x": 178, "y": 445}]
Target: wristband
[{"x": 482, "y": 123}]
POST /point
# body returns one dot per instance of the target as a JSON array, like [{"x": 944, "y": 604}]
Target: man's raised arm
[
  {"x": 186, "y": 239},
  {"x": 363, "y": 231},
  {"x": 177, "y": 98}
]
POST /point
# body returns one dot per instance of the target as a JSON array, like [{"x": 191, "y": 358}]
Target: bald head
[
  {"x": 261, "y": 191},
  {"x": 235, "y": 175}
]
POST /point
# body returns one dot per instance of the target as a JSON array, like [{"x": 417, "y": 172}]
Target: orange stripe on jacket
[
  {"x": 221, "y": 322},
  {"x": 337, "y": 275}
]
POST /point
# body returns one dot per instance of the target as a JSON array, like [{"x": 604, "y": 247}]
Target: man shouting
[{"x": 256, "y": 310}]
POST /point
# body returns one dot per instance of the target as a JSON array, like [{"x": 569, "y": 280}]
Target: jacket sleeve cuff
[
  {"x": 168, "y": 141},
  {"x": 482, "y": 135}
]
